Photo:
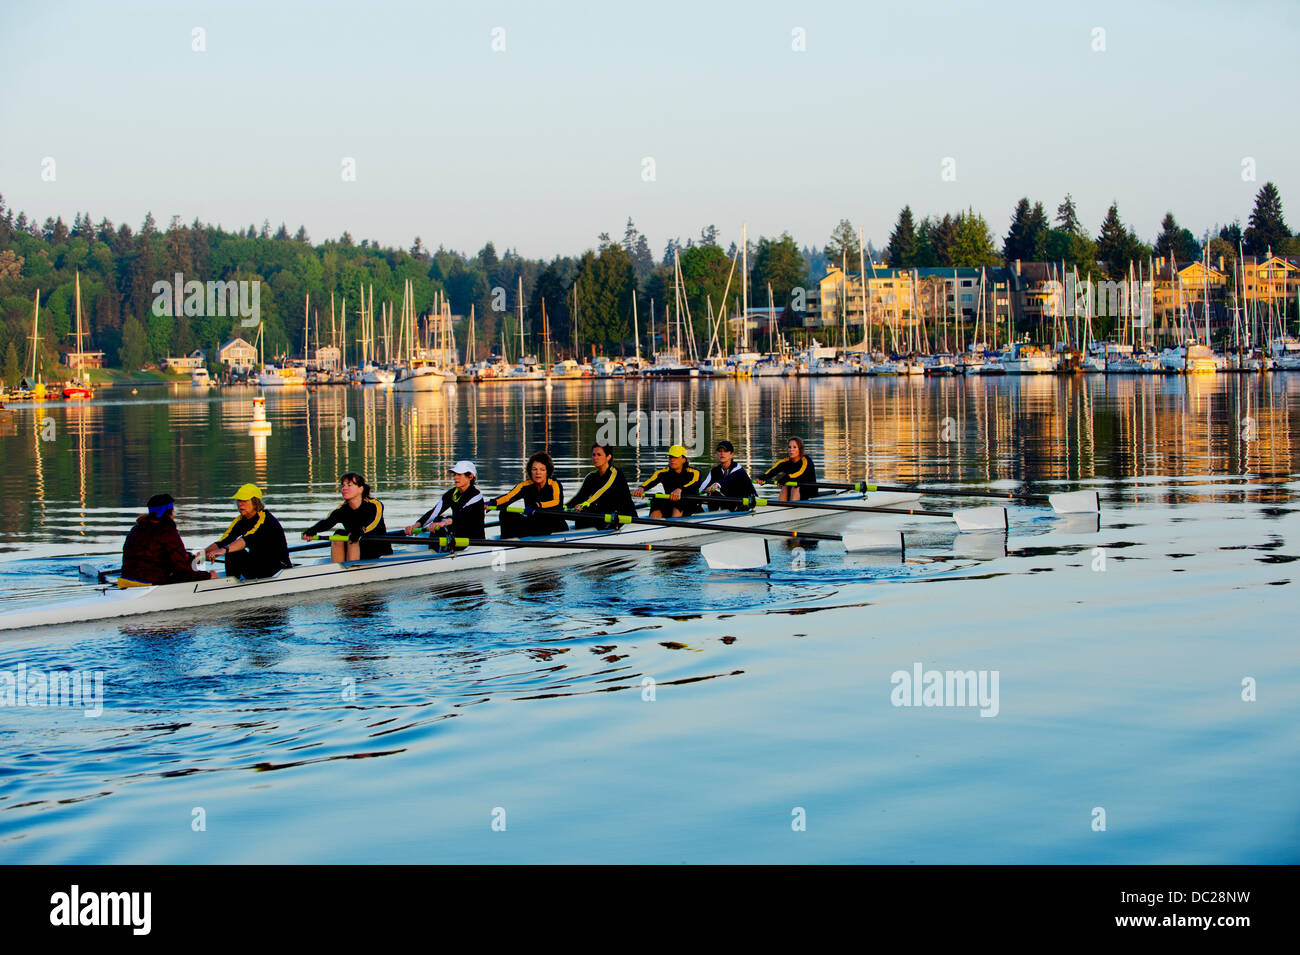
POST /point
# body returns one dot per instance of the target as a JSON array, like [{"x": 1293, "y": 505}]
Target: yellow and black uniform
[
  {"x": 265, "y": 551},
  {"x": 368, "y": 518},
  {"x": 687, "y": 480},
  {"x": 805, "y": 472},
  {"x": 606, "y": 493},
  {"x": 535, "y": 521},
  {"x": 732, "y": 482},
  {"x": 465, "y": 508}
]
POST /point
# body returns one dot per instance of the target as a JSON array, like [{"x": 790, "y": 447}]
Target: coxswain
[
  {"x": 359, "y": 515},
  {"x": 678, "y": 480},
  {"x": 253, "y": 544},
  {"x": 154, "y": 552},
  {"x": 728, "y": 478},
  {"x": 795, "y": 466},
  {"x": 542, "y": 496},
  {"x": 461, "y": 509},
  {"x": 603, "y": 491}
]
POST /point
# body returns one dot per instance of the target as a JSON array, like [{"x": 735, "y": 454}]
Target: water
[{"x": 399, "y": 723}]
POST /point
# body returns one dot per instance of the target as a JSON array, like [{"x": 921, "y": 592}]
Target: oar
[
  {"x": 725, "y": 555},
  {"x": 970, "y": 519},
  {"x": 852, "y": 541},
  {"x": 1066, "y": 502}
]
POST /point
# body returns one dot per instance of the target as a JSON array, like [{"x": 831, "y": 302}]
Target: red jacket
[{"x": 155, "y": 554}]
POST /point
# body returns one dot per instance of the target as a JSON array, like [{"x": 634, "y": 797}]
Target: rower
[
  {"x": 154, "y": 552},
  {"x": 728, "y": 478},
  {"x": 541, "y": 494},
  {"x": 253, "y": 544},
  {"x": 603, "y": 491},
  {"x": 460, "y": 509},
  {"x": 677, "y": 479},
  {"x": 358, "y": 514},
  {"x": 796, "y": 466}
]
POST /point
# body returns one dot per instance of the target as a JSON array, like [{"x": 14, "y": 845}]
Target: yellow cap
[
  {"x": 247, "y": 492},
  {"x": 677, "y": 451}
]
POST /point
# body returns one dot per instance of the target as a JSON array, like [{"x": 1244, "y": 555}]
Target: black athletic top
[
  {"x": 465, "y": 508},
  {"x": 687, "y": 479},
  {"x": 733, "y": 482},
  {"x": 264, "y": 542},
  {"x": 367, "y": 518},
  {"x": 549, "y": 495},
  {"x": 805, "y": 472},
  {"x": 606, "y": 493}
]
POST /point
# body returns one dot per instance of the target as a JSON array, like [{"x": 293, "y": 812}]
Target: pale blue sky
[{"x": 540, "y": 147}]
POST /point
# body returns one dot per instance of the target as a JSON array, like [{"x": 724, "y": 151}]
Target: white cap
[{"x": 464, "y": 467}]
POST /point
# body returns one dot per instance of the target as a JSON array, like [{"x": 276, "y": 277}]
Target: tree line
[
  {"x": 965, "y": 239},
  {"x": 581, "y": 304}
]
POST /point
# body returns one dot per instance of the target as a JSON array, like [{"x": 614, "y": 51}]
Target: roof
[{"x": 992, "y": 273}]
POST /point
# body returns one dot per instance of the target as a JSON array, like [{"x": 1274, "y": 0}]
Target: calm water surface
[{"x": 399, "y": 723}]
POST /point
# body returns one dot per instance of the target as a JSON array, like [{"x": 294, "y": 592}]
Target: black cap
[
  {"x": 161, "y": 500},
  {"x": 725, "y": 446}
]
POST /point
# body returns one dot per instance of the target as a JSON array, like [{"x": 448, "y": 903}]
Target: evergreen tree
[
  {"x": 671, "y": 247},
  {"x": 1118, "y": 246},
  {"x": 901, "y": 250},
  {"x": 135, "y": 345},
  {"x": 842, "y": 248},
  {"x": 282, "y": 233},
  {"x": 1232, "y": 234},
  {"x": 709, "y": 235},
  {"x": 972, "y": 243},
  {"x": 643, "y": 260},
  {"x": 1112, "y": 244},
  {"x": 1266, "y": 228},
  {"x": 605, "y": 286},
  {"x": 11, "y": 367},
  {"x": 638, "y": 249},
  {"x": 302, "y": 236},
  {"x": 1067, "y": 217},
  {"x": 1175, "y": 239},
  {"x": 1014, "y": 245},
  {"x": 1037, "y": 231},
  {"x": 943, "y": 238},
  {"x": 149, "y": 226}
]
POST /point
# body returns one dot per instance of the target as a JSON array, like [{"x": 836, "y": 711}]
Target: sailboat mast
[
  {"x": 78, "y": 323},
  {"x": 520, "y": 298},
  {"x": 744, "y": 287},
  {"x": 36, "y": 325}
]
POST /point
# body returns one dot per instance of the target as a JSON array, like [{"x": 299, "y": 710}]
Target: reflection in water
[{"x": 387, "y": 669}]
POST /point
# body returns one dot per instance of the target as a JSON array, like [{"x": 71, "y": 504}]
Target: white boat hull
[{"x": 108, "y": 602}]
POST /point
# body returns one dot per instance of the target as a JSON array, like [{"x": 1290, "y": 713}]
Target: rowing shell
[{"x": 107, "y": 602}]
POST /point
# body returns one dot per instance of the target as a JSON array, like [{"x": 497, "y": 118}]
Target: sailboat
[
  {"x": 419, "y": 373},
  {"x": 78, "y": 388},
  {"x": 32, "y": 388},
  {"x": 372, "y": 373}
]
